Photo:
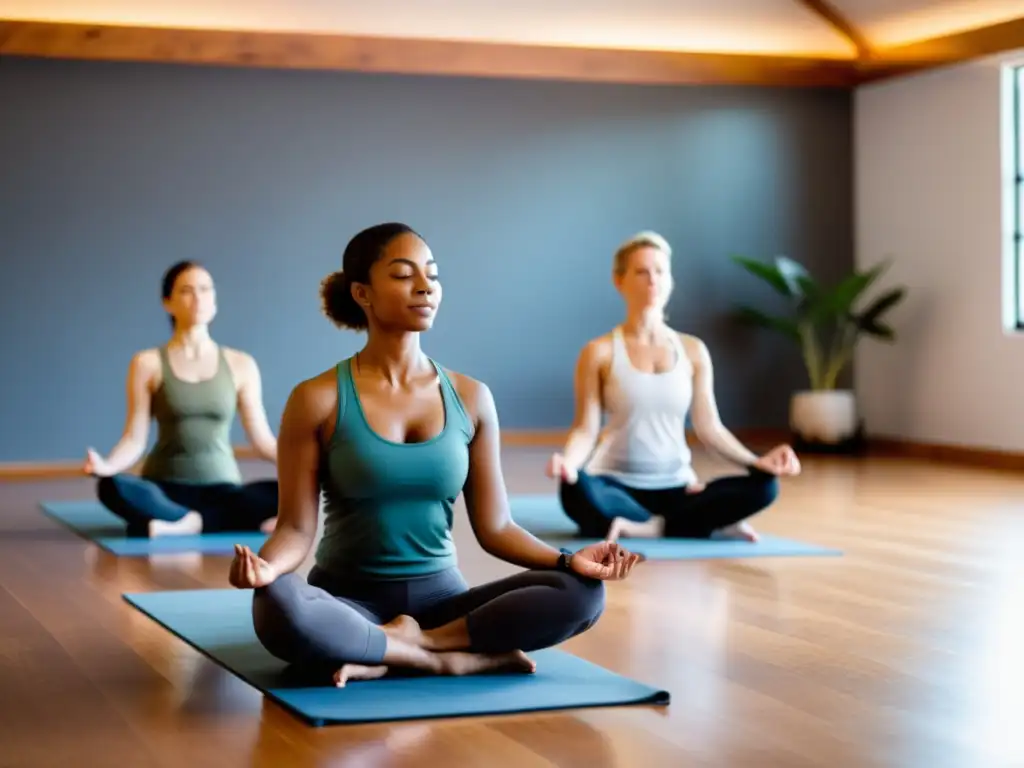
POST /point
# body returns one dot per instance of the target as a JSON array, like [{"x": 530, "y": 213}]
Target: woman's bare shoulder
[
  {"x": 146, "y": 359},
  {"x": 600, "y": 347},
  {"x": 145, "y": 366},
  {"x": 695, "y": 349},
  {"x": 475, "y": 395},
  {"x": 314, "y": 399}
]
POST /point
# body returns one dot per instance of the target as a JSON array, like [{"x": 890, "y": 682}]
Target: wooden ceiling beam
[
  {"x": 945, "y": 51},
  {"x": 841, "y": 24},
  {"x": 286, "y": 50},
  {"x": 414, "y": 56},
  {"x": 961, "y": 46}
]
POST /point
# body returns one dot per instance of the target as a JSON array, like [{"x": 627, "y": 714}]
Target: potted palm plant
[{"x": 826, "y": 323}]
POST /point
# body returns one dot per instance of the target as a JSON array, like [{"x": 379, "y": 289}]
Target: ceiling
[
  {"x": 725, "y": 26},
  {"x": 897, "y": 22}
]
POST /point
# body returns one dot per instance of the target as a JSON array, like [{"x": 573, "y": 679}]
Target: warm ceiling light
[
  {"x": 934, "y": 20},
  {"x": 779, "y": 27}
]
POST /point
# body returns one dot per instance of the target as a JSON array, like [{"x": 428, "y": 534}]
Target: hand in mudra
[
  {"x": 606, "y": 561},
  {"x": 780, "y": 460},
  {"x": 559, "y": 470},
  {"x": 95, "y": 464},
  {"x": 249, "y": 570}
]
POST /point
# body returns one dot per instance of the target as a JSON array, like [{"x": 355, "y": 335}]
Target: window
[{"x": 1018, "y": 194}]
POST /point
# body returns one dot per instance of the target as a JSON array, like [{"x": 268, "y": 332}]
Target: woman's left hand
[
  {"x": 605, "y": 561},
  {"x": 780, "y": 460}
]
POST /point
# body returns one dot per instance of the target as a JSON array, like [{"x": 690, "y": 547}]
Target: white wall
[{"x": 931, "y": 191}]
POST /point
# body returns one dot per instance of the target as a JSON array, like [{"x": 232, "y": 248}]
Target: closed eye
[{"x": 409, "y": 277}]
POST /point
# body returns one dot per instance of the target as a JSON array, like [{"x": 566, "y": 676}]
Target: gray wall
[{"x": 110, "y": 172}]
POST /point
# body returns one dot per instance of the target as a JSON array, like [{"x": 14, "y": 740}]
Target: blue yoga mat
[
  {"x": 218, "y": 623},
  {"x": 542, "y": 516},
  {"x": 93, "y": 521}
]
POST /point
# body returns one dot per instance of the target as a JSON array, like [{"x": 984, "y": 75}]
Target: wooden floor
[{"x": 906, "y": 651}]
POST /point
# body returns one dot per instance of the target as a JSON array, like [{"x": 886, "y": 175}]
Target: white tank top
[{"x": 643, "y": 443}]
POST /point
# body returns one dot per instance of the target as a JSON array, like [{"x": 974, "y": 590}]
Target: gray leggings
[{"x": 325, "y": 622}]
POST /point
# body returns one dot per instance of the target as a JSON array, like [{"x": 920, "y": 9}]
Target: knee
[
  {"x": 764, "y": 490},
  {"x": 106, "y": 487},
  {"x": 579, "y": 506},
  {"x": 277, "y": 618},
  {"x": 270, "y": 489},
  {"x": 583, "y": 601},
  {"x": 110, "y": 494}
]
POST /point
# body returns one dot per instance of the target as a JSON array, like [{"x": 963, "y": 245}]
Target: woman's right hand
[
  {"x": 559, "y": 470},
  {"x": 95, "y": 464},
  {"x": 249, "y": 570}
]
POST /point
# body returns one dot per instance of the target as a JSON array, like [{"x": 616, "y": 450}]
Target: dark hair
[
  {"x": 361, "y": 253},
  {"x": 171, "y": 277}
]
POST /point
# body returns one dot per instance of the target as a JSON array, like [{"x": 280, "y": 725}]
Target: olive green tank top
[
  {"x": 193, "y": 444},
  {"x": 387, "y": 505}
]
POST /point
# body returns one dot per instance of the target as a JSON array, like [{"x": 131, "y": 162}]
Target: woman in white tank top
[{"x": 634, "y": 477}]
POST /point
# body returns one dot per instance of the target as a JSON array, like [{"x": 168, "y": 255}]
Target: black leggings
[
  {"x": 223, "y": 506},
  {"x": 324, "y": 623},
  {"x": 593, "y": 501}
]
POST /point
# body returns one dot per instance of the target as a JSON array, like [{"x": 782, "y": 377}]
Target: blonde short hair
[{"x": 645, "y": 239}]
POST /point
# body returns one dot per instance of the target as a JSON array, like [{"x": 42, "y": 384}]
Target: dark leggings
[
  {"x": 324, "y": 623},
  {"x": 593, "y": 501},
  {"x": 223, "y": 506}
]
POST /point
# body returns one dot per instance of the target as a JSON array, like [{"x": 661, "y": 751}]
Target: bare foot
[
  {"x": 351, "y": 672},
  {"x": 450, "y": 637},
  {"x": 406, "y": 629},
  {"x": 623, "y": 528},
  {"x": 462, "y": 663},
  {"x": 739, "y": 531},
  {"x": 268, "y": 526},
  {"x": 190, "y": 524}
]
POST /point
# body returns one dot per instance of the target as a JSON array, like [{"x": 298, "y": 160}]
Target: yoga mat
[
  {"x": 94, "y": 522},
  {"x": 542, "y": 516},
  {"x": 218, "y": 623}
]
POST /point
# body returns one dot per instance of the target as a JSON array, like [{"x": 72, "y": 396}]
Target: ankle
[
  {"x": 435, "y": 663},
  {"x": 445, "y": 639},
  {"x": 429, "y": 641},
  {"x": 449, "y": 662},
  {"x": 404, "y": 629}
]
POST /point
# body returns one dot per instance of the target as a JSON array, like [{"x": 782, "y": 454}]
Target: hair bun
[{"x": 337, "y": 303}]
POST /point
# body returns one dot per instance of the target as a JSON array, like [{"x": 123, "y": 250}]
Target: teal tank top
[{"x": 387, "y": 505}]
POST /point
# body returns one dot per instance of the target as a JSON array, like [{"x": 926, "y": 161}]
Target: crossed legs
[
  {"x": 152, "y": 507},
  {"x": 601, "y": 506},
  {"x": 434, "y": 624}
]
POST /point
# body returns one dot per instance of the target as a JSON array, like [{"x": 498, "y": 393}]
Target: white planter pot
[{"x": 824, "y": 416}]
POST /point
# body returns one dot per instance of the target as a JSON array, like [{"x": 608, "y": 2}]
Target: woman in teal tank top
[
  {"x": 390, "y": 439},
  {"x": 192, "y": 388}
]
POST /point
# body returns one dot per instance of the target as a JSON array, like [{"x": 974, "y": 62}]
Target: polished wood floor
[{"x": 906, "y": 651}]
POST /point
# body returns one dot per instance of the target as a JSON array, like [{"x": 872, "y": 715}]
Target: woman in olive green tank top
[
  {"x": 192, "y": 388},
  {"x": 391, "y": 439}
]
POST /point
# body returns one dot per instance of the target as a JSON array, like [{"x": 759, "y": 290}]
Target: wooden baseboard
[
  {"x": 22, "y": 471},
  {"x": 555, "y": 438},
  {"x": 26, "y": 471},
  {"x": 757, "y": 439},
  {"x": 963, "y": 455},
  {"x": 513, "y": 438}
]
